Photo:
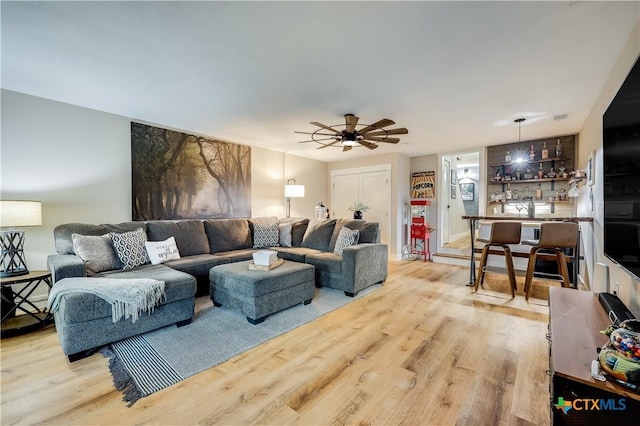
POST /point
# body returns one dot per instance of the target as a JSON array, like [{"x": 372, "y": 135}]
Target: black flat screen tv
[{"x": 621, "y": 164}]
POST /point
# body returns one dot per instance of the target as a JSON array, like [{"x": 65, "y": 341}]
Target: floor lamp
[
  {"x": 12, "y": 214},
  {"x": 291, "y": 190}
]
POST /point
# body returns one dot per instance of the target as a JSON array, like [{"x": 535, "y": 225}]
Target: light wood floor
[{"x": 422, "y": 350}]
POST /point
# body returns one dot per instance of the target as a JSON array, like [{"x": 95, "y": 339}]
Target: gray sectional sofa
[{"x": 84, "y": 321}]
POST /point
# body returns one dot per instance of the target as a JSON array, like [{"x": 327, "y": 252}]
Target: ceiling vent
[{"x": 560, "y": 117}]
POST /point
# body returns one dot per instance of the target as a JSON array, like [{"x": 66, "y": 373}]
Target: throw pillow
[
  {"x": 130, "y": 248},
  {"x": 347, "y": 237},
  {"x": 285, "y": 234},
  {"x": 162, "y": 251},
  {"x": 318, "y": 234},
  {"x": 265, "y": 235},
  {"x": 96, "y": 252}
]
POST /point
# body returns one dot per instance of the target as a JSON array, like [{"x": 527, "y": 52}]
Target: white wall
[
  {"x": 590, "y": 139},
  {"x": 427, "y": 163},
  {"x": 77, "y": 161}
]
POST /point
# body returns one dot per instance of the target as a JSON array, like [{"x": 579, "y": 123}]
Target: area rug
[{"x": 144, "y": 364}]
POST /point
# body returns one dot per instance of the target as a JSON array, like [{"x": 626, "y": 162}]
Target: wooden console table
[{"x": 575, "y": 321}]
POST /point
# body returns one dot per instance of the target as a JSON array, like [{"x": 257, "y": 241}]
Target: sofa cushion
[
  {"x": 347, "y": 237},
  {"x": 238, "y": 255},
  {"x": 197, "y": 265},
  {"x": 129, "y": 247},
  {"x": 265, "y": 235},
  {"x": 327, "y": 262},
  {"x": 318, "y": 234},
  {"x": 295, "y": 254},
  {"x": 227, "y": 234},
  {"x": 189, "y": 235},
  {"x": 64, "y": 242},
  {"x": 97, "y": 253},
  {"x": 162, "y": 251},
  {"x": 369, "y": 232}
]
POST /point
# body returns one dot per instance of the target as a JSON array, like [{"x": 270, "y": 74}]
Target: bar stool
[
  {"x": 554, "y": 236},
  {"x": 502, "y": 234}
]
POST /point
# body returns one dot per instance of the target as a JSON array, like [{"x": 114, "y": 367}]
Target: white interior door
[
  {"x": 345, "y": 193},
  {"x": 374, "y": 192},
  {"x": 373, "y": 188}
]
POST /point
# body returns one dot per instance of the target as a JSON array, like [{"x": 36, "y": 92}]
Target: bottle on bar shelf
[
  {"x": 532, "y": 153},
  {"x": 538, "y": 193},
  {"x": 540, "y": 172},
  {"x": 545, "y": 152},
  {"x": 558, "y": 149}
]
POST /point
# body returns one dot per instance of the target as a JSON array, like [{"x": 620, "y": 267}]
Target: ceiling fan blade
[
  {"x": 351, "y": 121},
  {"x": 377, "y": 125},
  {"x": 368, "y": 144},
  {"x": 399, "y": 131},
  {"x": 324, "y": 126},
  {"x": 346, "y": 148},
  {"x": 318, "y": 140},
  {"x": 313, "y": 133},
  {"x": 377, "y": 139},
  {"x": 329, "y": 144}
]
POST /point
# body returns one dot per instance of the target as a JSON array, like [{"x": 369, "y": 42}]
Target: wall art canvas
[
  {"x": 178, "y": 175},
  {"x": 423, "y": 184}
]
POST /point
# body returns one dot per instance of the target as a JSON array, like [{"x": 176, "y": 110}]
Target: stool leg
[
  {"x": 562, "y": 267},
  {"x": 529, "y": 277},
  {"x": 510, "y": 269},
  {"x": 483, "y": 263}
]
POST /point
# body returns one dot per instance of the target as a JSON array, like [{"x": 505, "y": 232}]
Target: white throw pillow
[
  {"x": 285, "y": 234},
  {"x": 162, "y": 251},
  {"x": 347, "y": 237},
  {"x": 265, "y": 235}
]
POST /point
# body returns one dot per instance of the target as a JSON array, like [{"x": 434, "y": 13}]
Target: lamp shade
[
  {"x": 294, "y": 191},
  {"x": 20, "y": 213}
]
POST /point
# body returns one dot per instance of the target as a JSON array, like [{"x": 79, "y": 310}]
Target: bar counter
[{"x": 474, "y": 219}]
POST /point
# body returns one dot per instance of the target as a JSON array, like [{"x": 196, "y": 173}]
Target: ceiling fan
[{"x": 351, "y": 134}]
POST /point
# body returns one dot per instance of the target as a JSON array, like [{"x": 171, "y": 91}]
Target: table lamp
[{"x": 13, "y": 214}]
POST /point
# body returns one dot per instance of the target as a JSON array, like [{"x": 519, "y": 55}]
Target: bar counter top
[{"x": 533, "y": 219}]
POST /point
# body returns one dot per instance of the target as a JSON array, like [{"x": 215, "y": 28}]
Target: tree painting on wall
[{"x": 177, "y": 175}]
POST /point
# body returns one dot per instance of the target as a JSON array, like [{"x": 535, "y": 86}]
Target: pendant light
[{"x": 522, "y": 153}]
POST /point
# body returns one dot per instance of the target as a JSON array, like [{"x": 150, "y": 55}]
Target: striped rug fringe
[{"x": 153, "y": 373}]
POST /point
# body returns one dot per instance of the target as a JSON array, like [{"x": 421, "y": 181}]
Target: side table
[{"x": 32, "y": 317}]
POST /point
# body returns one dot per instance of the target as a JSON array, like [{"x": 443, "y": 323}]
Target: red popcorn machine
[{"x": 419, "y": 231}]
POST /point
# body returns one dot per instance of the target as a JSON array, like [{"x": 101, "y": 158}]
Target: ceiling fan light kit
[{"x": 368, "y": 135}]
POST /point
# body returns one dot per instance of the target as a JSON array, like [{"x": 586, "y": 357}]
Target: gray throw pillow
[
  {"x": 96, "y": 252},
  {"x": 285, "y": 234},
  {"x": 130, "y": 248},
  {"x": 265, "y": 235},
  {"x": 346, "y": 238}
]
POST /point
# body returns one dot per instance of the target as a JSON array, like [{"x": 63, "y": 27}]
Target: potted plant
[{"x": 357, "y": 208}]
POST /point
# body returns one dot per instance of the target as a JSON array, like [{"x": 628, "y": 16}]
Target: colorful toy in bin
[{"x": 620, "y": 357}]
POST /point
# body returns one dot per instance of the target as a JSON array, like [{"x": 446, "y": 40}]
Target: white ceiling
[{"x": 456, "y": 74}]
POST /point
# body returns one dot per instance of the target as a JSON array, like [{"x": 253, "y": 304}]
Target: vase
[{"x": 357, "y": 214}]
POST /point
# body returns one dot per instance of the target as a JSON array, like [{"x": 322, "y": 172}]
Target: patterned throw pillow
[
  {"x": 265, "y": 235},
  {"x": 347, "y": 237},
  {"x": 162, "y": 251},
  {"x": 130, "y": 248}
]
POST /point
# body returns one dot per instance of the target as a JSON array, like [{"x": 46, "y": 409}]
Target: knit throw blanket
[{"x": 127, "y": 297}]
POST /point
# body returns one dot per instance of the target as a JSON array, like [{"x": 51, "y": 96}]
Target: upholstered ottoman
[{"x": 257, "y": 294}]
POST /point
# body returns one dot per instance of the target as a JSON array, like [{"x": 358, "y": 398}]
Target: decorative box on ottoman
[{"x": 257, "y": 294}]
